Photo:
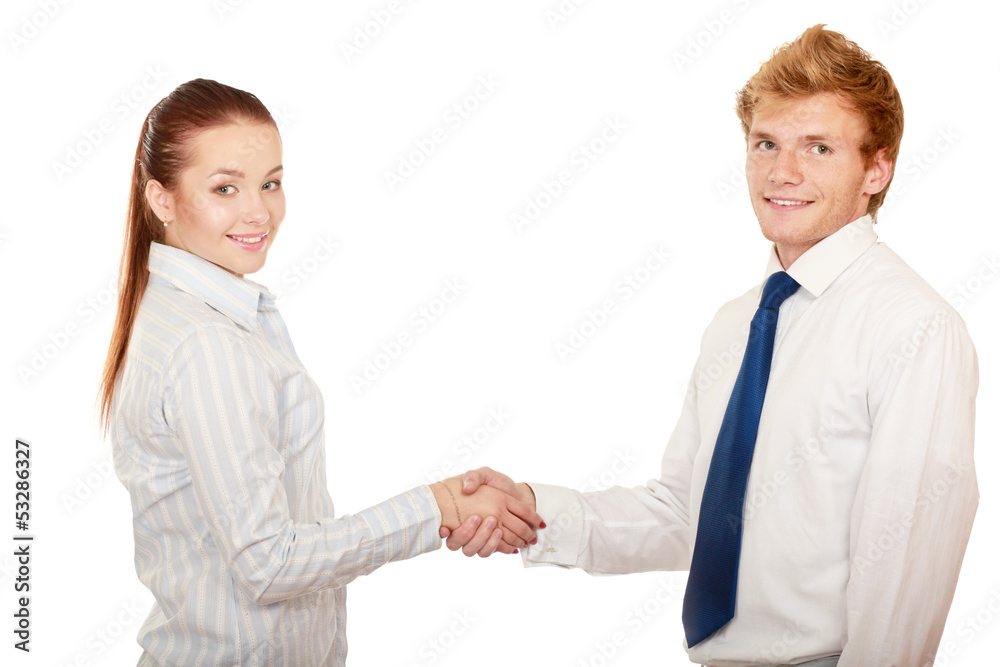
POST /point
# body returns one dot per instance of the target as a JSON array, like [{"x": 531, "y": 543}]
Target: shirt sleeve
[
  {"x": 917, "y": 496},
  {"x": 621, "y": 530},
  {"x": 220, "y": 399}
]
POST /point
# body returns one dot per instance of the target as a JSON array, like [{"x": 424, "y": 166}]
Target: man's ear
[
  {"x": 879, "y": 173},
  {"x": 160, "y": 201}
]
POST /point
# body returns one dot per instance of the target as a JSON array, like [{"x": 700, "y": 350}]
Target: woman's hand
[
  {"x": 489, "y": 494},
  {"x": 477, "y": 537}
]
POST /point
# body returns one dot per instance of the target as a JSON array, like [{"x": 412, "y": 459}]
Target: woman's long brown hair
[{"x": 162, "y": 154}]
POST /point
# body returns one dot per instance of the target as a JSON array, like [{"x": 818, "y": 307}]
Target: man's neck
[{"x": 788, "y": 254}]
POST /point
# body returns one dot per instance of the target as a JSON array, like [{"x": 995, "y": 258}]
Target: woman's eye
[
  {"x": 226, "y": 190},
  {"x": 272, "y": 185}
]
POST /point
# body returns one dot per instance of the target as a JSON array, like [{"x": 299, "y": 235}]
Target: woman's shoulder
[{"x": 168, "y": 318}]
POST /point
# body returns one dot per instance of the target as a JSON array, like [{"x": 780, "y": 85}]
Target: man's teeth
[
  {"x": 247, "y": 239},
  {"x": 787, "y": 202}
]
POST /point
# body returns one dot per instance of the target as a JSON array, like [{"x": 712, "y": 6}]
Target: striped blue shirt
[{"x": 217, "y": 431}]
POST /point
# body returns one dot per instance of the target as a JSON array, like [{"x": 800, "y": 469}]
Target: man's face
[{"x": 805, "y": 171}]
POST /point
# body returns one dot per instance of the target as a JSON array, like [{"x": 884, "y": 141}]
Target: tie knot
[{"x": 778, "y": 287}]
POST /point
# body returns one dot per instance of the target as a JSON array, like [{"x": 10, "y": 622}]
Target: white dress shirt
[
  {"x": 862, "y": 489},
  {"x": 217, "y": 434}
]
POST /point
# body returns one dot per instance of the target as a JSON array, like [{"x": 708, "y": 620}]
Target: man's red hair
[{"x": 821, "y": 60}]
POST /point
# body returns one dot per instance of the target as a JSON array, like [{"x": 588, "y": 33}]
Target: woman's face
[{"x": 229, "y": 202}]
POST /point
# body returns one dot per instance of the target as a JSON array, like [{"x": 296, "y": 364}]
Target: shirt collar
[
  {"x": 237, "y": 298},
  {"x": 819, "y": 266}
]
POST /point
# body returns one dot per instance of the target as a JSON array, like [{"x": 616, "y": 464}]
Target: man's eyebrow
[
  {"x": 240, "y": 174},
  {"x": 765, "y": 136},
  {"x": 833, "y": 139}
]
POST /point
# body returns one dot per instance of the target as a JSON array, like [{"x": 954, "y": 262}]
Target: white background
[{"x": 671, "y": 179}]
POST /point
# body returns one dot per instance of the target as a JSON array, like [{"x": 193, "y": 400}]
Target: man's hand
[
  {"x": 474, "y": 537},
  {"x": 515, "y": 520}
]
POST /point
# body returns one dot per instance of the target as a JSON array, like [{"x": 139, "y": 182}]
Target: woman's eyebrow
[{"x": 240, "y": 174}]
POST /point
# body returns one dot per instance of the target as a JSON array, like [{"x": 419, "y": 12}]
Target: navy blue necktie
[{"x": 710, "y": 598}]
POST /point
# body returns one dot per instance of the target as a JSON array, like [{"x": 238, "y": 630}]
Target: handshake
[{"x": 484, "y": 511}]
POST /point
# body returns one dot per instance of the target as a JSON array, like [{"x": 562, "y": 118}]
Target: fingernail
[
  {"x": 467, "y": 484},
  {"x": 541, "y": 525},
  {"x": 491, "y": 522},
  {"x": 516, "y": 551},
  {"x": 534, "y": 541},
  {"x": 476, "y": 519}
]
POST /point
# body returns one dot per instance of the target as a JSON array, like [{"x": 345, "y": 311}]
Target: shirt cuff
[
  {"x": 559, "y": 542},
  {"x": 404, "y": 526}
]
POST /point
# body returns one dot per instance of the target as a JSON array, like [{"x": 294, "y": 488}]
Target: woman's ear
[{"x": 160, "y": 201}]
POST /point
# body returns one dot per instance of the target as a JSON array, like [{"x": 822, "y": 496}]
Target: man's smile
[{"x": 786, "y": 204}]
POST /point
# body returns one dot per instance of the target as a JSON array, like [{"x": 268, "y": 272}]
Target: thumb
[{"x": 472, "y": 480}]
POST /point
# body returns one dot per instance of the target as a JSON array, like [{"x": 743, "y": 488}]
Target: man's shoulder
[
  {"x": 899, "y": 311},
  {"x": 884, "y": 285},
  {"x": 731, "y": 322},
  {"x": 878, "y": 288}
]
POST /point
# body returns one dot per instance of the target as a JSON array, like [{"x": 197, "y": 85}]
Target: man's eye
[
  {"x": 767, "y": 145},
  {"x": 821, "y": 150}
]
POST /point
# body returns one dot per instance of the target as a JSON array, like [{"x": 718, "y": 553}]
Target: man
[{"x": 822, "y": 491}]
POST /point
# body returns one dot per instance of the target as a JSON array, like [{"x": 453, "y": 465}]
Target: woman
[{"x": 216, "y": 426}]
